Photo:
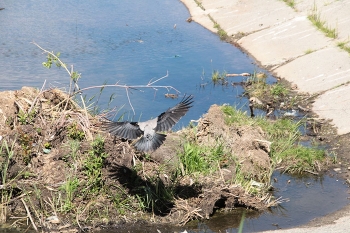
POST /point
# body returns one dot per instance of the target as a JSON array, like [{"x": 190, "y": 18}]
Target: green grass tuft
[{"x": 315, "y": 18}]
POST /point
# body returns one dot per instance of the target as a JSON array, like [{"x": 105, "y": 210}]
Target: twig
[
  {"x": 150, "y": 83},
  {"x": 29, "y": 215},
  {"x": 127, "y": 94},
  {"x": 16, "y": 198},
  {"x": 311, "y": 172},
  {"x": 36, "y": 98}
]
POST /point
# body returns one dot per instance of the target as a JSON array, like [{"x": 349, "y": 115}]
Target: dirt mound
[
  {"x": 247, "y": 143},
  {"x": 60, "y": 164}
]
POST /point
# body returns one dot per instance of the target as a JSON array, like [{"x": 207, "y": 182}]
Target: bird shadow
[{"x": 156, "y": 196}]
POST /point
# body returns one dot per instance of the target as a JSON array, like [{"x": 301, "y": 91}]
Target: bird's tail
[{"x": 149, "y": 145}]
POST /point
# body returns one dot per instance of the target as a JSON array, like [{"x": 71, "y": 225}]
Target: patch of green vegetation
[
  {"x": 308, "y": 51},
  {"x": 74, "y": 132},
  {"x": 315, "y": 18},
  {"x": 73, "y": 146},
  {"x": 278, "y": 90},
  {"x": 218, "y": 77},
  {"x": 284, "y": 135},
  {"x": 6, "y": 156},
  {"x": 26, "y": 118},
  {"x": 256, "y": 86},
  {"x": 69, "y": 188},
  {"x": 93, "y": 165},
  {"x": 199, "y": 159},
  {"x": 221, "y": 32},
  {"x": 199, "y": 4},
  {"x": 290, "y": 3},
  {"x": 123, "y": 201},
  {"x": 343, "y": 45}
]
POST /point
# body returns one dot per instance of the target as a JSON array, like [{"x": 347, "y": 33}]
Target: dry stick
[
  {"x": 29, "y": 215},
  {"x": 127, "y": 94},
  {"x": 36, "y": 98},
  {"x": 222, "y": 177},
  {"x": 14, "y": 199}
]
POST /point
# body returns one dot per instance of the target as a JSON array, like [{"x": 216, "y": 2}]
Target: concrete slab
[
  {"x": 335, "y": 13},
  {"x": 284, "y": 42},
  {"x": 335, "y": 105},
  {"x": 200, "y": 15},
  {"x": 248, "y": 16},
  {"x": 318, "y": 71}
]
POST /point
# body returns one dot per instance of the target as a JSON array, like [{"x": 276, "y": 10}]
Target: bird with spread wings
[{"x": 146, "y": 132}]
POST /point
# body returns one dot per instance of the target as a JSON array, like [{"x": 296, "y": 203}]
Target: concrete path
[{"x": 283, "y": 40}]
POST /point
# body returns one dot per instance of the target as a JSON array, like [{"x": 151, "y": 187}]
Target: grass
[
  {"x": 69, "y": 188},
  {"x": 315, "y": 18},
  {"x": 290, "y": 3},
  {"x": 284, "y": 135},
  {"x": 221, "y": 32},
  {"x": 197, "y": 159},
  {"x": 199, "y": 4},
  {"x": 343, "y": 45},
  {"x": 218, "y": 77},
  {"x": 308, "y": 51},
  {"x": 278, "y": 90},
  {"x": 256, "y": 86},
  {"x": 7, "y": 153},
  {"x": 93, "y": 166}
]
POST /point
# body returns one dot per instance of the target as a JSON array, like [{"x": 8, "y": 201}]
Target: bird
[{"x": 146, "y": 132}]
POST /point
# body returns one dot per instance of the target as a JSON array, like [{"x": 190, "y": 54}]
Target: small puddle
[{"x": 305, "y": 197}]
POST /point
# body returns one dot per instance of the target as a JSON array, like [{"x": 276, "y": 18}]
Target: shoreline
[{"x": 269, "y": 33}]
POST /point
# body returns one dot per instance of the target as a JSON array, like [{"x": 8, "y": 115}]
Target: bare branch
[{"x": 77, "y": 90}]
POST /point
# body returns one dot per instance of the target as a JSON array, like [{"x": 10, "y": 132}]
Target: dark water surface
[{"x": 132, "y": 42}]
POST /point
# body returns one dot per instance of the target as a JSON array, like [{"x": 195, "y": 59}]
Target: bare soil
[{"x": 40, "y": 166}]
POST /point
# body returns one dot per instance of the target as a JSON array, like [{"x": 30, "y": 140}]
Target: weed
[
  {"x": 290, "y": 3},
  {"x": 73, "y": 146},
  {"x": 284, "y": 135},
  {"x": 221, "y": 32},
  {"x": 93, "y": 165},
  {"x": 315, "y": 18},
  {"x": 217, "y": 77},
  {"x": 279, "y": 90},
  {"x": 343, "y": 46},
  {"x": 122, "y": 201},
  {"x": 26, "y": 118},
  {"x": 200, "y": 159},
  {"x": 74, "y": 132},
  {"x": 7, "y": 153},
  {"x": 308, "y": 51},
  {"x": 69, "y": 188},
  {"x": 199, "y": 4}
]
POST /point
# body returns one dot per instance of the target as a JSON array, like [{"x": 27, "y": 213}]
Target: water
[
  {"x": 132, "y": 42},
  {"x": 304, "y": 198}
]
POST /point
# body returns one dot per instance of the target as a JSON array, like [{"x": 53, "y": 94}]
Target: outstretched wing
[
  {"x": 126, "y": 129},
  {"x": 150, "y": 143},
  {"x": 170, "y": 117}
]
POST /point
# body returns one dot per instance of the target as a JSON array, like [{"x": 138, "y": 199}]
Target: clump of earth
[{"x": 37, "y": 129}]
